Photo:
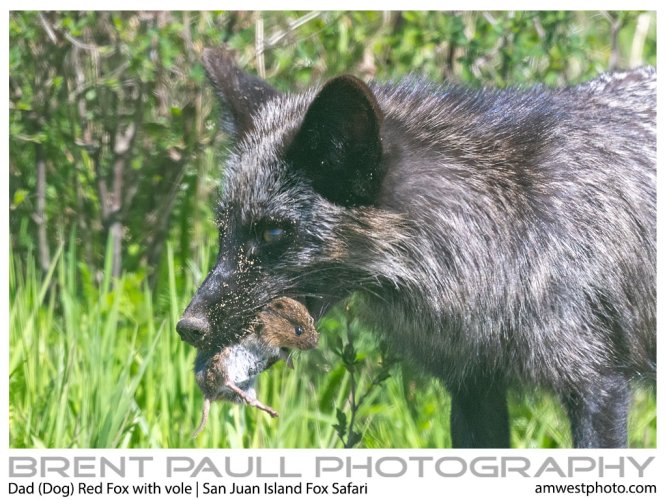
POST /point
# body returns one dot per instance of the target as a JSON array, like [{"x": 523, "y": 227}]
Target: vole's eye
[
  {"x": 298, "y": 330},
  {"x": 273, "y": 234}
]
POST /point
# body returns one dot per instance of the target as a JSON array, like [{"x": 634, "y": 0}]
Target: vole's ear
[
  {"x": 338, "y": 145},
  {"x": 241, "y": 93}
]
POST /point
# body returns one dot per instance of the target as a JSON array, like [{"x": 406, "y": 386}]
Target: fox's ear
[
  {"x": 338, "y": 146},
  {"x": 241, "y": 93}
]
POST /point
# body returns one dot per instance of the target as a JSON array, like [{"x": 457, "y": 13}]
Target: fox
[{"x": 500, "y": 239}]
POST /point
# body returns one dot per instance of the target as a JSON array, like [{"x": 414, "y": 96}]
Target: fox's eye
[{"x": 273, "y": 234}]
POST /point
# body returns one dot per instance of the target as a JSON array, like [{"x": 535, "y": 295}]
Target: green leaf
[
  {"x": 341, "y": 426},
  {"x": 331, "y": 387},
  {"x": 354, "y": 439},
  {"x": 19, "y": 197},
  {"x": 349, "y": 355}
]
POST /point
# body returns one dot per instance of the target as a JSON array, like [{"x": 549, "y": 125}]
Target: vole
[{"x": 230, "y": 373}]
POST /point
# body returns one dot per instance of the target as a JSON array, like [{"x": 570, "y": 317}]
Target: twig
[
  {"x": 48, "y": 28},
  {"x": 615, "y": 29},
  {"x": 294, "y": 25},
  {"x": 638, "y": 40},
  {"x": 74, "y": 41},
  {"x": 79, "y": 44},
  {"x": 259, "y": 45}
]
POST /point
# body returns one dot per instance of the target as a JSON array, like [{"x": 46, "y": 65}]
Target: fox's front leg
[{"x": 252, "y": 401}]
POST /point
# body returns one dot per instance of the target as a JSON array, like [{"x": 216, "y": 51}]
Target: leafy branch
[{"x": 354, "y": 364}]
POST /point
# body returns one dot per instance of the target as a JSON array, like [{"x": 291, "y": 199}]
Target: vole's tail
[{"x": 204, "y": 417}]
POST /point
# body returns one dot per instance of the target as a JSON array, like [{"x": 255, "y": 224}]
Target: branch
[
  {"x": 639, "y": 39},
  {"x": 259, "y": 45},
  {"x": 123, "y": 141},
  {"x": 51, "y": 32},
  {"x": 48, "y": 28},
  {"x": 615, "y": 29},
  {"x": 291, "y": 27}
]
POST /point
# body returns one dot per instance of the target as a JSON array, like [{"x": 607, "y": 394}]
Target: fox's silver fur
[{"x": 502, "y": 238}]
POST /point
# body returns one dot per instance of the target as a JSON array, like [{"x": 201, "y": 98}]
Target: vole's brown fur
[{"x": 284, "y": 323}]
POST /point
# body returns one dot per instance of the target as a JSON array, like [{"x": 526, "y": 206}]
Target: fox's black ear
[
  {"x": 241, "y": 93},
  {"x": 338, "y": 145}
]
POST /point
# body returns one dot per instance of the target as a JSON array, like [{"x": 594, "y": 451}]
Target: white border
[{"x": 303, "y": 460}]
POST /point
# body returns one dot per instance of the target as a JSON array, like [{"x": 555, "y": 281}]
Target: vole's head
[{"x": 286, "y": 323}]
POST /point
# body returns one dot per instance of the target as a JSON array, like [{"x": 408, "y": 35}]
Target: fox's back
[{"x": 539, "y": 208}]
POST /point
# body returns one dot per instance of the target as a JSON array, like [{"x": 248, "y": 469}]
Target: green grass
[{"x": 98, "y": 364}]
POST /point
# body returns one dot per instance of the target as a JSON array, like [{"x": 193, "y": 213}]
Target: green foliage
[
  {"x": 81, "y": 82},
  {"x": 96, "y": 365},
  {"x": 358, "y": 367},
  {"x": 108, "y": 102},
  {"x": 115, "y": 164}
]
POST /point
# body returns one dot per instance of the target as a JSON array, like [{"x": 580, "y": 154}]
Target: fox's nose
[{"x": 192, "y": 329}]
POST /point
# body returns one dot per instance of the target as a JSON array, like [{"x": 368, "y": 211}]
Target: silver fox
[{"x": 499, "y": 238}]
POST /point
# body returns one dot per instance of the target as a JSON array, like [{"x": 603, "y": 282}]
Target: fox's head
[{"x": 298, "y": 214}]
